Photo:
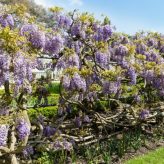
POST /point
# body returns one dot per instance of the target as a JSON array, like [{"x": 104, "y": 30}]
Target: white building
[
  {"x": 47, "y": 72},
  {"x": 55, "y": 75}
]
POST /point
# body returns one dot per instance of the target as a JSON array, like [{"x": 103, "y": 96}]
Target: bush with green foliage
[{"x": 48, "y": 112}]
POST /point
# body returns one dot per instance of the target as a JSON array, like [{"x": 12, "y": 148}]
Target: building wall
[{"x": 55, "y": 75}]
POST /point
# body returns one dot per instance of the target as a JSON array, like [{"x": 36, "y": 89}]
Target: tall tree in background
[{"x": 35, "y": 10}]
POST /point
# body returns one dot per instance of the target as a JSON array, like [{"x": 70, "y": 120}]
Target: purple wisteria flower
[
  {"x": 161, "y": 49},
  {"x": 125, "y": 40},
  {"x": 161, "y": 92},
  {"x": 124, "y": 64},
  {"x": 78, "y": 122},
  {"x": 27, "y": 151},
  {"x": 151, "y": 42},
  {"x": 91, "y": 96},
  {"x": 62, "y": 145},
  {"x": 7, "y": 20},
  {"x": 148, "y": 75},
  {"x": 3, "y": 134},
  {"x": 101, "y": 59},
  {"x": 22, "y": 128},
  {"x": 107, "y": 32},
  {"x": 22, "y": 68},
  {"x": 133, "y": 76},
  {"x": 110, "y": 87},
  {"x": 22, "y": 71},
  {"x": 38, "y": 39},
  {"x": 144, "y": 114},
  {"x": 121, "y": 50},
  {"x": 73, "y": 60},
  {"x": 76, "y": 46},
  {"x": 137, "y": 98},
  {"x": 4, "y": 111},
  {"x": 86, "y": 119},
  {"x": 4, "y": 68},
  {"x": 28, "y": 29},
  {"x": 34, "y": 35},
  {"x": 66, "y": 81},
  {"x": 64, "y": 21},
  {"x": 141, "y": 48},
  {"x": 102, "y": 33},
  {"x": 68, "y": 108},
  {"x": 49, "y": 131},
  {"x": 78, "y": 83},
  {"x": 54, "y": 44},
  {"x": 76, "y": 31},
  {"x": 39, "y": 64},
  {"x": 67, "y": 145}
]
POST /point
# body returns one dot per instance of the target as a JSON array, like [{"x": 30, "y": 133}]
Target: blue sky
[{"x": 128, "y": 16}]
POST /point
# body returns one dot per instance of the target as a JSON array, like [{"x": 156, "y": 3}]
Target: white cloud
[
  {"x": 62, "y": 3},
  {"x": 76, "y": 2},
  {"x": 41, "y": 2}
]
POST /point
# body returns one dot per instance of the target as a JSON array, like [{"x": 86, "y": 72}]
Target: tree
[
  {"x": 35, "y": 10},
  {"x": 20, "y": 41},
  {"x": 98, "y": 65}
]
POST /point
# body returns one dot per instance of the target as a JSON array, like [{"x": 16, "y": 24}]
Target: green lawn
[
  {"x": 155, "y": 157},
  {"x": 53, "y": 88}
]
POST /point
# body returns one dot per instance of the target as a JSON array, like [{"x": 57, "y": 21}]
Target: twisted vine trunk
[
  {"x": 13, "y": 149},
  {"x": 14, "y": 146}
]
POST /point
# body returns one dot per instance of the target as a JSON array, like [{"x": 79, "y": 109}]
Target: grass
[
  {"x": 155, "y": 157},
  {"x": 53, "y": 87}
]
